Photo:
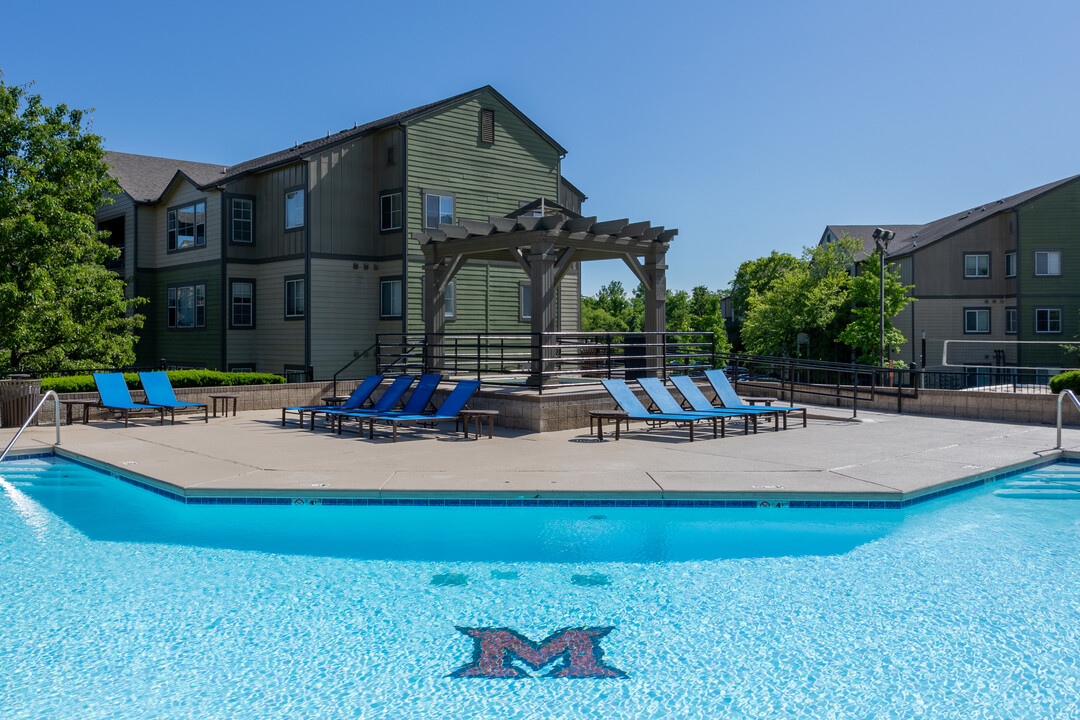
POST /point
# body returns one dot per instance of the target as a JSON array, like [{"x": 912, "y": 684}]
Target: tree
[
  {"x": 863, "y": 333},
  {"x": 61, "y": 307},
  {"x": 810, "y": 297},
  {"x": 612, "y": 311}
]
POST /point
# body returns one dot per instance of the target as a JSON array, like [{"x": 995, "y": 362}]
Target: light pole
[{"x": 881, "y": 239}]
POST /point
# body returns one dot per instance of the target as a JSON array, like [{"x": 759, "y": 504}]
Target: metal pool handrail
[
  {"x": 1061, "y": 396},
  {"x": 56, "y": 412}
]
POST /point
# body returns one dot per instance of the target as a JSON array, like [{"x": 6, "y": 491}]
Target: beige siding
[
  {"x": 943, "y": 319},
  {"x": 153, "y": 237},
  {"x": 275, "y": 341},
  {"x": 344, "y": 315},
  {"x": 939, "y": 268},
  {"x": 123, "y": 206}
]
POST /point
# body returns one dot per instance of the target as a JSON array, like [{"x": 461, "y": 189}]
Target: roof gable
[{"x": 146, "y": 178}]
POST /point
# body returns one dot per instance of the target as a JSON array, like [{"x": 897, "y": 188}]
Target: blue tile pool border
[{"x": 743, "y": 503}]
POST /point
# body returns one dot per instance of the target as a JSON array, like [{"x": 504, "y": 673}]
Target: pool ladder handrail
[
  {"x": 56, "y": 412},
  {"x": 1061, "y": 396}
]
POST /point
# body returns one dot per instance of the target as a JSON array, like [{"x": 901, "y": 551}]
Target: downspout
[
  {"x": 307, "y": 266},
  {"x": 225, "y": 290},
  {"x": 404, "y": 227},
  {"x": 1019, "y": 314}
]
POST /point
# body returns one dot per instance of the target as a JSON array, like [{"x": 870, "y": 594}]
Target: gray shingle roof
[
  {"x": 145, "y": 178},
  {"x": 912, "y": 237}
]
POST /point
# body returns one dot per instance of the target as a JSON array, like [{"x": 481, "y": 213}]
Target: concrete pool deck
[{"x": 882, "y": 456}]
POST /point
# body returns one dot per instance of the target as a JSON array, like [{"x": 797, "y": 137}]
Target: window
[
  {"x": 390, "y": 211},
  {"x": 487, "y": 126},
  {"x": 1048, "y": 262},
  {"x": 977, "y": 320},
  {"x": 525, "y": 300},
  {"x": 243, "y": 220},
  {"x": 390, "y": 298},
  {"x": 450, "y": 300},
  {"x": 976, "y": 265},
  {"x": 1048, "y": 320},
  {"x": 1010, "y": 320},
  {"x": 294, "y": 209},
  {"x": 294, "y": 297},
  {"x": 187, "y": 306},
  {"x": 243, "y": 303},
  {"x": 1010, "y": 264},
  {"x": 250, "y": 367},
  {"x": 438, "y": 208},
  {"x": 296, "y": 374},
  {"x": 186, "y": 226}
]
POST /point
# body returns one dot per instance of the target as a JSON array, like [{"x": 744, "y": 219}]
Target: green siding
[
  {"x": 157, "y": 340},
  {"x": 445, "y": 153}
]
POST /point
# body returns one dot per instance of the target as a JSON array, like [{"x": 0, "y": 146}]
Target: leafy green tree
[
  {"x": 810, "y": 297},
  {"x": 60, "y": 307},
  {"x": 863, "y": 333}
]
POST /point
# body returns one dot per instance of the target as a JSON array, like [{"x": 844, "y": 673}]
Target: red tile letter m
[{"x": 575, "y": 652}]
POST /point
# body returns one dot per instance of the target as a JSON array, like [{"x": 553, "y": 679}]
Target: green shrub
[
  {"x": 178, "y": 378},
  {"x": 1066, "y": 381}
]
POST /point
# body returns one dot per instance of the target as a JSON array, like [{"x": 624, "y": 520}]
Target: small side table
[
  {"x": 599, "y": 416},
  {"x": 224, "y": 398},
  {"x": 478, "y": 417},
  {"x": 335, "y": 400},
  {"x": 755, "y": 399},
  {"x": 86, "y": 405}
]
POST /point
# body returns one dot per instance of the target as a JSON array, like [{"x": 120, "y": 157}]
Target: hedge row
[
  {"x": 178, "y": 378},
  {"x": 1066, "y": 381}
]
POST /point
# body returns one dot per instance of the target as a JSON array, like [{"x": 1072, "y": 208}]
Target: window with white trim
[
  {"x": 187, "y": 306},
  {"x": 1048, "y": 320},
  {"x": 294, "y": 297},
  {"x": 186, "y": 226},
  {"x": 1010, "y": 320},
  {"x": 976, "y": 265},
  {"x": 294, "y": 209},
  {"x": 1010, "y": 264},
  {"x": 977, "y": 320},
  {"x": 390, "y": 211},
  {"x": 243, "y": 220},
  {"x": 450, "y": 300},
  {"x": 390, "y": 298},
  {"x": 243, "y": 303},
  {"x": 438, "y": 208},
  {"x": 1047, "y": 262}
]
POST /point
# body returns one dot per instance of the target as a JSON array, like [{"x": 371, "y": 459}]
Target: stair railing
[
  {"x": 1061, "y": 396},
  {"x": 56, "y": 412}
]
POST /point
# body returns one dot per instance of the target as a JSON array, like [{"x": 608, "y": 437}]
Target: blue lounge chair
[
  {"x": 666, "y": 403},
  {"x": 159, "y": 391},
  {"x": 416, "y": 404},
  {"x": 356, "y": 401},
  {"x": 727, "y": 397},
  {"x": 450, "y": 408},
  {"x": 626, "y": 400},
  {"x": 698, "y": 402},
  {"x": 113, "y": 392}
]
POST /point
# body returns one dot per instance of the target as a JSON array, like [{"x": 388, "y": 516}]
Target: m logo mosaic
[{"x": 573, "y": 652}]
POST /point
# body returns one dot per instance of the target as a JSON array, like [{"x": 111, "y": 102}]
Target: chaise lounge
[
  {"x": 450, "y": 408},
  {"x": 114, "y": 396},
  {"x": 626, "y": 400},
  {"x": 698, "y": 402},
  {"x": 355, "y": 401},
  {"x": 729, "y": 399},
  {"x": 666, "y": 403},
  {"x": 417, "y": 403},
  {"x": 159, "y": 391}
]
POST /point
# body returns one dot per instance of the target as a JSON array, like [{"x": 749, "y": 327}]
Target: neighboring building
[
  {"x": 1007, "y": 270},
  {"x": 297, "y": 259}
]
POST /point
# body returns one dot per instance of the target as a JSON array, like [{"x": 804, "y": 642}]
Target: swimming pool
[{"x": 120, "y": 603}]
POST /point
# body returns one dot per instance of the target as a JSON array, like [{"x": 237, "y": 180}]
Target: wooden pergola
[{"x": 544, "y": 238}]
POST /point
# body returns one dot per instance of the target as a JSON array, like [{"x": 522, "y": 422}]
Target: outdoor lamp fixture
[{"x": 882, "y": 237}]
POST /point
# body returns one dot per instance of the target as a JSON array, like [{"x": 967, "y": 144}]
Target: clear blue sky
[{"x": 749, "y": 126}]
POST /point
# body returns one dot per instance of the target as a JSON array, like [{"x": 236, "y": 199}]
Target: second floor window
[
  {"x": 438, "y": 208},
  {"x": 294, "y": 209},
  {"x": 977, "y": 320},
  {"x": 243, "y": 303},
  {"x": 294, "y": 297},
  {"x": 390, "y": 298},
  {"x": 187, "y": 306},
  {"x": 186, "y": 226},
  {"x": 1047, "y": 320},
  {"x": 1010, "y": 264},
  {"x": 390, "y": 211},
  {"x": 976, "y": 265},
  {"x": 243, "y": 220},
  {"x": 1048, "y": 262}
]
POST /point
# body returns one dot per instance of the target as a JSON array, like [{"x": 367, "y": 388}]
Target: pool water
[{"x": 119, "y": 603}]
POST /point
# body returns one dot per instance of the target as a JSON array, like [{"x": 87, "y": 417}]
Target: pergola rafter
[{"x": 544, "y": 238}]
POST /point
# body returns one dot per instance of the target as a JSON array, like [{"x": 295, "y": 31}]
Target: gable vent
[{"x": 487, "y": 126}]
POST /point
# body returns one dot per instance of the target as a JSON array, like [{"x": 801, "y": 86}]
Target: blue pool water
[{"x": 118, "y": 603}]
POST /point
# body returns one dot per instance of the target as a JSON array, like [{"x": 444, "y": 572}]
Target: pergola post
[
  {"x": 655, "y": 307},
  {"x": 541, "y": 260}
]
